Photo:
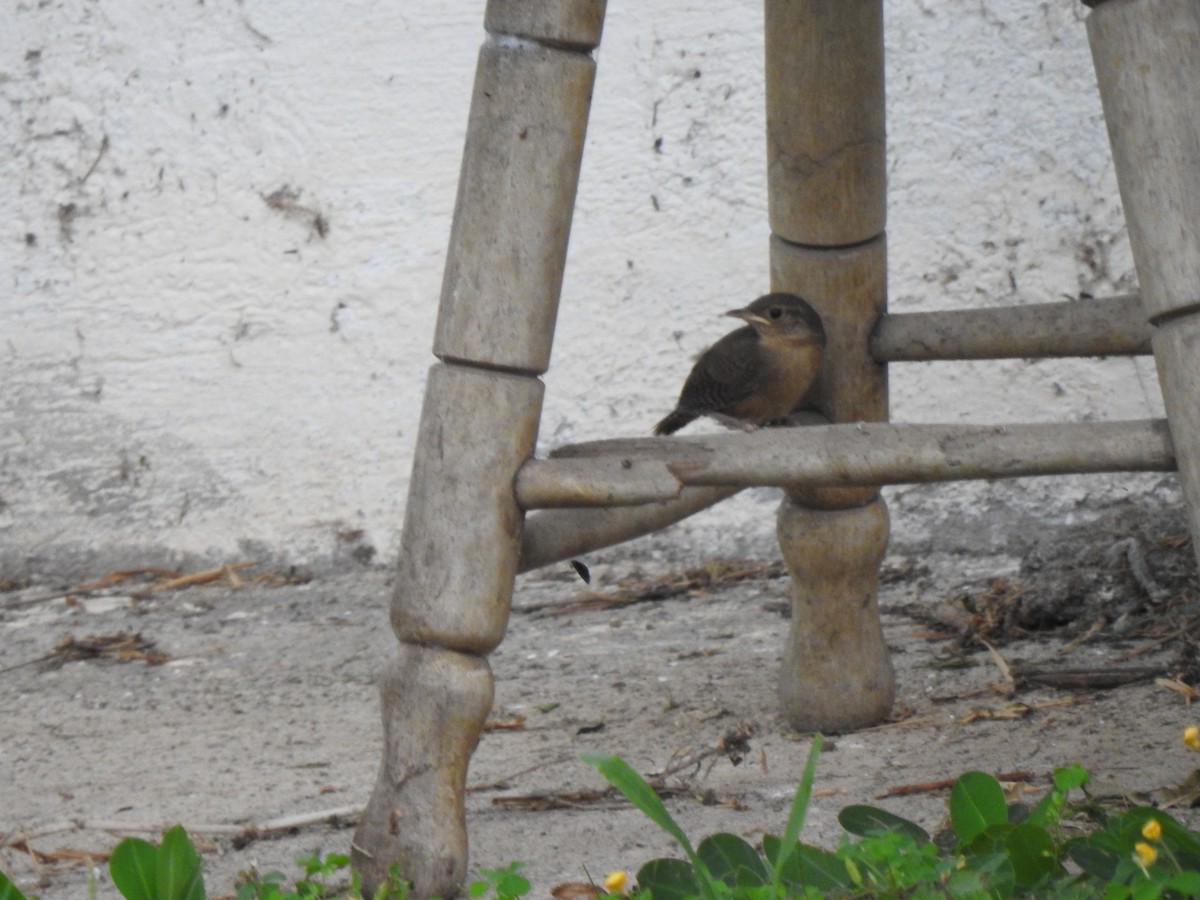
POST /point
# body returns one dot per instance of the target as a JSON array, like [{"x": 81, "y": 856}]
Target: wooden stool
[{"x": 465, "y": 532}]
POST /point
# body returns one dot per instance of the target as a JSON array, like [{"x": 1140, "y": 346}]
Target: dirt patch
[{"x": 231, "y": 703}]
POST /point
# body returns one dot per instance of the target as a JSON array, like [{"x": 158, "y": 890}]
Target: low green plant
[
  {"x": 507, "y": 883},
  {"x": 170, "y": 871},
  {"x": 145, "y": 871},
  {"x": 141, "y": 870},
  {"x": 315, "y": 883},
  {"x": 994, "y": 849}
]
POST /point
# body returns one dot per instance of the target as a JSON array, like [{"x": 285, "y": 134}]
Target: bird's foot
[{"x": 731, "y": 422}]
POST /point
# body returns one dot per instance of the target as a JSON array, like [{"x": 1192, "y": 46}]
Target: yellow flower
[
  {"x": 1152, "y": 831},
  {"x": 1191, "y": 737},
  {"x": 614, "y": 882},
  {"x": 1145, "y": 853}
]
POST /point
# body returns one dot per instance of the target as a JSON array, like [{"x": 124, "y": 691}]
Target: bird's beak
[{"x": 746, "y": 316}]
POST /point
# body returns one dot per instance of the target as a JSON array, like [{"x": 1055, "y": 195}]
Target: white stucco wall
[{"x": 187, "y": 368}]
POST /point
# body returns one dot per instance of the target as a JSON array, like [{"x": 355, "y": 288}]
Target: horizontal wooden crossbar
[
  {"x": 577, "y": 520},
  {"x": 1113, "y": 326},
  {"x": 552, "y": 535},
  {"x": 646, "y": 470}
]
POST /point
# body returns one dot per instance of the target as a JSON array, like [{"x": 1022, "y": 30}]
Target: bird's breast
[{"x": 785, "y": 376}]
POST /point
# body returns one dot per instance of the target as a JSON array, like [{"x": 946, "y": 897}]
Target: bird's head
[{"x": 783, "y": 317}]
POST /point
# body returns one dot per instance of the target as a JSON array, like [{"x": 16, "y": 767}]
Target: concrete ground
[{"x": 263, "y": 702}]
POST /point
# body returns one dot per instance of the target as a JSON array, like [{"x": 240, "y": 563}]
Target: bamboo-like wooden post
[
  {"x": 1147, "y": 59},
  {"x": 462, "y": 530},
  {"x": 826, "y": 160}
]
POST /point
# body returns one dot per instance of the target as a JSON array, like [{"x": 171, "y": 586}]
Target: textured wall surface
[{"x": 226, "y": 223}]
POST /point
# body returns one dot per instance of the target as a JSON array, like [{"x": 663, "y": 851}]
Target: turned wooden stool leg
[
  {"x": 837, "y": 672},
  {"x": 1147, "y": 59},
  {"x": 827, "y": 181},
  {"x": 462, "y": 529}
]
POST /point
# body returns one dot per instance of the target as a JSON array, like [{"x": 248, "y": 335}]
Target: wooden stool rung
[
  {"x": 1112, "y": 326},
  {"x": 648, "y": 470}
]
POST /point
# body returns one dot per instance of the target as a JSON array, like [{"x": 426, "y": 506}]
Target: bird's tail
[{"x": 673, "y": 422}]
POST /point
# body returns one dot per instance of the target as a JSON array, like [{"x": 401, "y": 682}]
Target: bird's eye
[{"x": 775, "y": 312}]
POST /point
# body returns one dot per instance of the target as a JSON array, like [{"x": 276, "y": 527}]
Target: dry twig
[
  {"x": 239, "y": 834},
  {"x": 944, "y": 784}
]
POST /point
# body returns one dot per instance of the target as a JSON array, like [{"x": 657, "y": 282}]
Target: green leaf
[
  {"x": 976, "y": 803},
  {"x": 8, "y": 890},
  {"x": 1032, "y": 854},
  {"x": 510, "y": 883},
  {"x": 853, "y": 872},
  {"x": 1182, "y": 843},
  {"x": 732, "y": 860},
  {"x": 864, "y": 821},
  {"x": 1049, "y": 810},
  {"x": 820, "y": 869},
  {"x": 1096, "y": 854},
  {"x": 132, "y": 868},
  {"x": 310, "y": 863},
  {"x": 177, "y": 875},
  {"x": 668, "y": 879},
  {"x": 1070, "y": 778},
  {"x": 1187, "y": 883},
  {"x": 770, "y": 848},
  {"x": 992, "y": 841},
  {"x": 995, "y": 870},
  {"x": 641, "y": 795},
  {"x": 795, "y": 822},
  {"x": 395, "y": 887},
  {"x": 809, "y": 866},
  {"x": 966, "y": 883}
]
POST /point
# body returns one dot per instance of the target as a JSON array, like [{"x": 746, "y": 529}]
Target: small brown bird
[{"x": 758, "y": 373}]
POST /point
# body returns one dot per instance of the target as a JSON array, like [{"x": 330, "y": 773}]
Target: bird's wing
[{"x": 725, "y": 374}]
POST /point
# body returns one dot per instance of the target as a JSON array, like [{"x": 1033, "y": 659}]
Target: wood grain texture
[
  {"x": 1177, "y": 353},
  {"x": 553, "y": 535},
  {"x": 1147, "y": 59},
  {"x": 826, "y": 158},
  {"x": 1112, "y": 326},
  {"x": 516, "y": 197},
  {"x": 435, "y": 703},
  {"x": 837, "y": 670},
  {"x": 863, "y": 454},
  {"x": 569, "y": 23},
  {"x": 826, "y": 140},
  {"x": 848, "y": 287},
  {"x": 462, "y": 525}
]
